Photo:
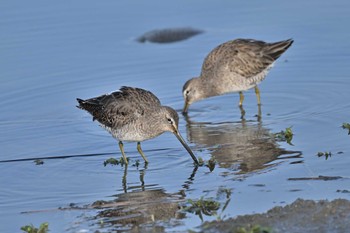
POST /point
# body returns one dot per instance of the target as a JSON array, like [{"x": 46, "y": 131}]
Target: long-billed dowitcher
[
  {"x": 234, "y": 66},
  {"x": 134, "y": 114}
]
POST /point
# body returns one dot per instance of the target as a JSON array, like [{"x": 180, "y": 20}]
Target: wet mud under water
[{"x": 300, "y": 216}]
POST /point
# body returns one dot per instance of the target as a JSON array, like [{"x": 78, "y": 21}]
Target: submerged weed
[
  {"x": 38, "y": 162},
  {"x": 346, "y": 126},
  {"x": 43, "y": 228},
  {"x": 136, "y": 164},
  {"x": 114, "y": 161},
  {"x": 200, "y": 161},
  {"x": 202, "y": 206},
  {"x": 209, "y": 206},
  {"x": 210, "y": 163},
  {"x": 325, "y": 154},
  {"x": 285, "y": 136},
  {"x": 111, "y": 161}
]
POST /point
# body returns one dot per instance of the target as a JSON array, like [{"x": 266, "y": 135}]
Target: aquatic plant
[
  {"x": 227, "y": 194},
  {"x": 209, "y": 206},
  {"x": 285, "y": 136},
  {"x": 43, "y": 228},
  {"x": 38, "y": 162},
  {"x": 200, "y": 161},
  {"x": 114, "y": 161},
  {"x": 210, "y": 163},
  {"x": 202, "y": 206},
  {"x": 137, "y": 163},
  {"x": 325, "y": 154},
  {"x": 346, "y": 126}
]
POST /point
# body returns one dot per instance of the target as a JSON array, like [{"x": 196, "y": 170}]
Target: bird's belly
[
  {"x": 255, "y": 80},
  {"x": 128, "y": 134},
  {"x": 234, "y": 82}
]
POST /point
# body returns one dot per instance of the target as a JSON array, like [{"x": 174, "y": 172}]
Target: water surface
[{"x": 52, "y": 53}]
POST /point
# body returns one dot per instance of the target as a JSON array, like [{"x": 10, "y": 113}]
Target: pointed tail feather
[
  {"x": 81, "y": 103},
  {"x": 275, "y": 50},
  {"x": 92, "y": 108}
]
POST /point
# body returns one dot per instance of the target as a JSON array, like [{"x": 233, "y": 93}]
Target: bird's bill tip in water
[
  {"x": 178, "y": 135},
  {"x": 185, "y": 109}
]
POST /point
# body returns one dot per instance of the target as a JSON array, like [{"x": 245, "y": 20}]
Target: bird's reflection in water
[
  {"x": 131, "y": 210},
  {"x": 258, "y": 114},
  {"x": 141, "y": 206},
  {"x": 142, "y": 177},
  {"x": 241, "y": 146},
  {"x": 142, "y": 187}
]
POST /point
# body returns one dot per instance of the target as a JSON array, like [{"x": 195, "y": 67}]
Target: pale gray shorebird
[
  {"x": 134, "y": 114},
  {"x": 234, "y": 66}
]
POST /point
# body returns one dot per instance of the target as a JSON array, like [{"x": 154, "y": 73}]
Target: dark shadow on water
[
  {"x": 242, "y": 147},
  {"x": 70, "y": 156},
  {"x": 55, "y": 157},
  {"x": 169, "y": 35}
]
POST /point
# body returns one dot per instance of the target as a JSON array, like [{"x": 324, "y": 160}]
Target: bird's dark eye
[
  {"x": 186, "y": 93},
  {"x": 170, "y": 121}
]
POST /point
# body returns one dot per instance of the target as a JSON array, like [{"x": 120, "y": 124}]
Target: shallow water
[{"x": 52, "y": 53}]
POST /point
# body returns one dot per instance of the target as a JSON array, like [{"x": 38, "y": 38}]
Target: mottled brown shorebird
[
  {"x": 134, "y": 114},
  {"x": 234, "y": 66}
]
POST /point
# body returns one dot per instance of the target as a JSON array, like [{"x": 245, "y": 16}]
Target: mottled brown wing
[
  {"x": 139, "y": 95},
  {"x": 245, "y": 57},
  {"x": 121, "y": 107}
]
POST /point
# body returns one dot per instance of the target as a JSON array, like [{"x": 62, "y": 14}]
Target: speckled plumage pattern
[
  {"x": 133, "y": 114},
  {"x": 234, "y": 66},
  {"x": 123, "y": 112}
]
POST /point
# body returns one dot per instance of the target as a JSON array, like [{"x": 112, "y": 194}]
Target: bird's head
[
  {"x": 191, "y": 92},
  {"x": 170, "y": 122}
]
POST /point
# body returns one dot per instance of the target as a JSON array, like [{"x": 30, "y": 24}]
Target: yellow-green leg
[
  {"x": 121, "y": 147},
  {"x": 141, "y": 152},
  {"x": 241, "y": 98},
  {"x": 259, "y": 113},
  {"x": 257, "y": 93}
]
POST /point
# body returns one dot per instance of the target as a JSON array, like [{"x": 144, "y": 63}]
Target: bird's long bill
[
  {"x": 177, "y": 134},
  {"x": 184, "y": 111}
]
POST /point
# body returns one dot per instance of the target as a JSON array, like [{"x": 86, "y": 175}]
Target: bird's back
[
  {"x": 119, "y": 108},
  {"x": 245, "y": 57}
]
